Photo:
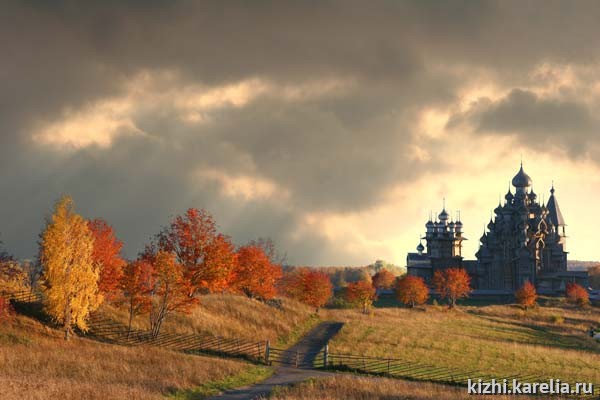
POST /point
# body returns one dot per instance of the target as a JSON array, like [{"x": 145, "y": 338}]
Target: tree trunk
[{"x": 67, "y": 318}]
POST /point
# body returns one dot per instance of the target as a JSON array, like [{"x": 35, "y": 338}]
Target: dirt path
[{"x": 285, "y": 374}]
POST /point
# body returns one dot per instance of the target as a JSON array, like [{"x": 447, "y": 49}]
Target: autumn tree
[
  {"x": 412, "y": 290},
  {"x": 577, "y": 294},
  {"x": 107, "y": 257},
  {"x": 207, "y": 256},
  {"x": 137, "y": 282},
  {"x": 452, "y": 284},
  {"x": 170, "y": 290},
  {"x": 70, "y": 279},
  {"x": 526, "y": 295},
  {"x": 255, "y": 275},
  {"x": 362, "y": 294},
  {"x": 383, "y": 279},
  {"x": 309, "y": 287}
]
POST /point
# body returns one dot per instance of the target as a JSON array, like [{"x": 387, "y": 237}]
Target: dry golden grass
[
  {"x": 548, "y": 342},
  {"x": 233, "y": 316},
  {"x": 346, "y": 387},
  {"x": 36, "y": 363}
]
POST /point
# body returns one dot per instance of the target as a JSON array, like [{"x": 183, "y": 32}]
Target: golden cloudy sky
[{"x": 332, "y": 127}]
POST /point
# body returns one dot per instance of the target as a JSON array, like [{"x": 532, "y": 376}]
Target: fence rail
[{"x": 106, "y": 329}]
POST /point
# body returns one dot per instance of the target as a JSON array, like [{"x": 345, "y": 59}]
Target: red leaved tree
[
  {"x": 362, "y": 294},
  {"x": 309, "y": 287},
  {"x": 170, "y": 290},
  {"x": 106, "y": 255},
  {"x": 452, "y": 284},
  {"x": 255, "y": 274},
  {"x": 577, "y": 294},
  {"x": 526, "y": 295},
  {"x": 207, "y": 257},
  {"x": 383, "y": 279},
  {"x": 137, "y": 283},
  {"x": 412, "y": 290}
]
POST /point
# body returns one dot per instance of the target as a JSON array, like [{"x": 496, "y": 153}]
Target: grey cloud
[
  {"x": 554, "y": 124},
  {"x": 339, "y": 152}
]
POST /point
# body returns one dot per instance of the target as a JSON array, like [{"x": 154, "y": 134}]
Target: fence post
[
  {"x": 326, "y": 356},
  {"x": 297, "y": 357},
  {"x": 259, "y": 351},
  {"x": 219, "y": 344},
  {"x": 388, "y": 366},
  {"x": 267, "y": 352}
]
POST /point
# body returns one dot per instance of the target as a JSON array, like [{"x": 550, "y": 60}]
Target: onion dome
[
  {"x": 443, "y": 215},
  {"x": 451, "y": 225},
  {"x": 458, "y": 224},
  {"x": 483, "y": 238},
  {"x": 521, "y": 179},
  {"x": 490, "y": 224},
  {"x": 498, "y": 209},
  {"x": 420, "y": 248},
  {"x": 509, "y": 196},
  {"x": 532, "y": 195},
  {"x": 429, "y": 224}
]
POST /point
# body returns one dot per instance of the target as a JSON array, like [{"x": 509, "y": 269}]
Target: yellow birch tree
[{"x": 70, "y": 278}]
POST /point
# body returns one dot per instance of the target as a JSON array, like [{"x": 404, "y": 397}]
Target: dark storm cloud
[
  {"x": 336, "y": 152},
  {"x": 553, "y": 123}
]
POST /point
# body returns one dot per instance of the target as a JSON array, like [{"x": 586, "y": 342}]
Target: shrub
[
  {"x": 526, "y": 295},
  {"x": 577, "y": 294}
]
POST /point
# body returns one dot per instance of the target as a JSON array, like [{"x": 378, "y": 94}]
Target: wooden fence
[{"x": 107, "y": 330}]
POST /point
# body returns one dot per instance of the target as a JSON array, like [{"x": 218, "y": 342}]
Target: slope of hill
[
  {"x": 36, "y": 363},
  {"x": 548, "y": 342},
  {"x": 233, "y": 316}
]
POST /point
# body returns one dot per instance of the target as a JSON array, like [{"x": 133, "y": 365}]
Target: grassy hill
[
  {"x": 36, "y": 363},
  {"x": 233, "y": 316},
  {"x": 500, "y": 340}
]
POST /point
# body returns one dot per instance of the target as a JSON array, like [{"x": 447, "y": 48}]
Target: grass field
[
  {"x": 346, "y": 387},
  {"x": 36, "y": 363},
  {"x": 499, "y": 340},
  {"x": 235, "y": 317}
]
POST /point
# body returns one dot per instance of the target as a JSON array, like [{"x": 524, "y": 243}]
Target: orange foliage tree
[
  {"x": 362, "y": 294},
  {"x": 383, "y": 279},
  {"x": 310, "y": 287},
  {"x": 577, "y": 294},
  {"x": 136, "y": 283},
  {"x": 412, "y": 290},
  {"x": 255, "y": 274},
  {"x": 207, "y": 256},
  {"x": 106, "y": 255},
  {"x": 526, "y": 295},
  {"x": 170, "y": 290},
  {"x": 452, "y": 284}
]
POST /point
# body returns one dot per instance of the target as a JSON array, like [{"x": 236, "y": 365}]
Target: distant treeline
[{"x": 342, "y": 275}]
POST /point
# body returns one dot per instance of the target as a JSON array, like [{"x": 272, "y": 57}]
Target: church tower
[{"x": 523, "y": 241}]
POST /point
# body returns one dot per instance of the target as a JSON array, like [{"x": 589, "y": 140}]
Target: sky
[{"x": 332, "y": 127}]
